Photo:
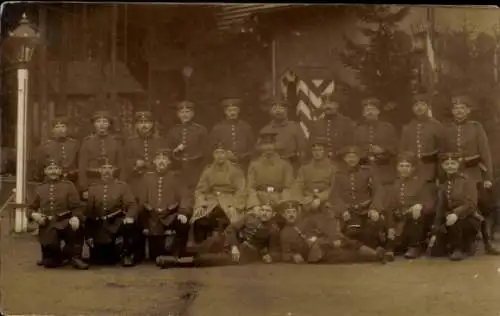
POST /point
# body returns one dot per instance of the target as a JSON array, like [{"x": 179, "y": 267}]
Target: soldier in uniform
[
  {"x": 469, "y": 139},
  {"x": 354, "y": 198},
  {"x": 457, "y": 220},
  {"x": 378, "y": 139},
  {"x": 111, "y": 218},
  {"x": 235, "y": 134},
  {"x": 187, "y": 142},
  {"x": 315, "y": 179},
  {"x": 219, "y": 197},
  {"x": 57, "y": 210},
  {"x": 290, "y": 138},
  {"x": 167, "y": 209},
  {"x": 96, "y": 149},
  {"x": 332, "y": 125},
  {"x": 409, "y": 208},
  {"x": 60, "y": 147},
  {"x": 270, "y": 177},
  {"x": 424, "y": 137}
]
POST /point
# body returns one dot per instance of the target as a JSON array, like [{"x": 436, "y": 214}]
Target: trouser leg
[
  {"x": 156, "y": 246},
  {"x": 74, "y": 247}
]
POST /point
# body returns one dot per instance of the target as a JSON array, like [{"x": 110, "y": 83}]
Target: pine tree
[{"x": 384, "y": 65}]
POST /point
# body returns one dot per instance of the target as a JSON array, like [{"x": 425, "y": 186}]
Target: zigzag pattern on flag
[{"x": 307, "y": 97}]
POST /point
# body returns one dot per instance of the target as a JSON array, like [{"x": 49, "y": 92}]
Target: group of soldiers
[{"x": 350, "y": 188}]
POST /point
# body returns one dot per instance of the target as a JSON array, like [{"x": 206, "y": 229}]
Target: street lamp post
[{"x": 20, "y": 46}]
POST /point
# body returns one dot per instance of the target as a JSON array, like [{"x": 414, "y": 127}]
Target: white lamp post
[{"x": 20, "y": 45}]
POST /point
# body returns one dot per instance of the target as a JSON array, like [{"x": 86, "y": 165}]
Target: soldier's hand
[
  {"x": 74, "y": 222},
  {"x": 128, "y": 220},
  {"x": 235, "y": 254},
  {"x": 315, "y": 204},
  {"x": 140, "y": 163},
  {"x": 267, "y": 258},
  {"x": 376, "y": 149},
  {"x": 180, "y": 147},
  {"x": 337, "y": 244},
  {"x": 487, "y": 184},
  {"x": 416, "y": 211},
  {"x": 90, "y": 242},
  {"x": 391, "y": 234},
  {"x": 451, "y": 219},
  {"x": 311, "y": 240},
  {"x": 297, "y": 258},
  {"x": 182, "y": 218},
  {"x": 346, "y": 216},
  {"x": 85, "y": 195},
  {"x": 373, "y": 215},
  {"x": 39, "y": 218}
]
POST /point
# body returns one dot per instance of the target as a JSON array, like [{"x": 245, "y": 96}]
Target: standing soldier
[
  {"x": 61, "y": 148},
  {"x": 378, "y": 140},
  {"x": 290, "y": 139},
  {"x": 235, "y": 134},
  {"x": 96, "y": 149},
  {"x": 469, "y": 139},
  {"x": 336, "y": 128},
  {"x": 111, "y": 215},
  {"x": 270, "y": 177},
  {"x": 315, "y": 179},
  {"x": 424, "y": 137},
  {"x": 187, "y": 143},
  {"x": 57, "y": 210}
]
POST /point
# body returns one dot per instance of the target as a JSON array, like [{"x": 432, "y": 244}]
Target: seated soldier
[
  {"x": 354, "y": 196},
  {"x": 219, "y": 196},
  {"x": 315, "y": 239},
  {"x": 111, "y": 213},
  {"x": 166, "y": 212},
  {"x": 409, "y": 206},
  {"x": 457, "y": 221},
  {"x": 57, "y": 210},
  {"x": 254, "y": 237}
]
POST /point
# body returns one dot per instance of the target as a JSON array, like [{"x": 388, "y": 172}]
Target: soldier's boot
[
  {"x": 457, "y": 255},
  {"x": 389, "y": 255},
  {"x": 378, "y": 253},
  {"x": 39, "y": 262},
  {"x": 412, "y": 253},
  {"x": 79, "y": 264},
  {"x": 52, "y": 257},
  {"x": 490, "y": 250}
]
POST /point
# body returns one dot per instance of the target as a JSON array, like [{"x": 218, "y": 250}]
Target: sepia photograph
[{"x": 213, "y": 159}]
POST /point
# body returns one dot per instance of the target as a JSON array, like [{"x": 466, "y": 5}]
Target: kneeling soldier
[
  {"x": 57, "y": 210},
  {"x": 166, "y": 211},
  {"x": 111, "y": 213},
  {"x": 409, "y": 205},
  {"x": 354, "y": 197},
  {"x": 457, "y": 220},
  {"x": 255, "y": 237}
]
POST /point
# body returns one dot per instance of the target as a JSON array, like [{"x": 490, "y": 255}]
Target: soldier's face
[
  {"x": 101, "y": 124},
  {"x": 371, "y": 112},
  {"x": 185, "y": 115},
  {"x": 267, "y": 147},
  {"x": 220, "y": 155},
  {"x": 232, "y": 112},
  {"x": 460, "y": 111},
  {"x": 331, "y": 107},
  {"x": 405, "y": 169},
  {"x": 265, "y": 214},
  {"x": 278, "y": 111},
  {"x": 60, "y": 130},
  {"x": 53, "y": 172},
  {"x": 144, "y": 126},
  {"x": 161, "y": 162},
  {"x": 106, "y": 171},
  {"x": 420, "y": 108},
  {"x": 290, "y": 215},
  {"x": 351, "y": 159},
  {"x": 450, "y": 166},
  {"x": 318, "y": 152}
]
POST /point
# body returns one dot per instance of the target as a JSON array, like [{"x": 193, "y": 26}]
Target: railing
[{"x": 7, "y": 199}]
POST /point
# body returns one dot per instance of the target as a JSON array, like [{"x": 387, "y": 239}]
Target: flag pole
[{"x": 273, "y": 57}]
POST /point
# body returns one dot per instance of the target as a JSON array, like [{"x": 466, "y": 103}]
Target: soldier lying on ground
[
  {"x": 410, "y": 208},
  {"x": 111, "y": 214},
  {"x": 57, "y": 210},
  {"x": 457, "y": 220},
  {"x": 354, "y": 198},
  {"x": 315, "y": 237},
  {"x": 166, "y": 211}
]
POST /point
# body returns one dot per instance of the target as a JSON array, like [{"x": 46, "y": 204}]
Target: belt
[
  {"x": 269, "y": 188},
  {"x": 161, "y": 210},
  {"x": 472, "y": 161},
  {"x": 429, "y": 158},
  {"x": 360, "y": 205},
  {"x": 60, "y": 216},
  {"x": 249, "y": 245},
  {"x": 217, "y": 193},
  {"x": 112, "y": 215}
]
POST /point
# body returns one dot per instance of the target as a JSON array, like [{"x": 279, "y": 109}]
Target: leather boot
[
  {"x": 412, "y": 253},
  {"x": 79, "y": 264},
  {"x": 490, "y": 250},
  {"x": 457, "y": 255}
]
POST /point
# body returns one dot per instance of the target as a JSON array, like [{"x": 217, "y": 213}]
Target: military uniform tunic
[
  {"x": 95, "y": 150},
  {"x": 337, "y": 129},
  {"x": 424, "y": 137},
  {"x": 269, "y": 181},
  {"x": 470, "y": 140},
  {"x": 235, "y": 135},
  {"x": 221, "y": 186},
  {"x": 315, "y": 180},
  {"x": 290, "y": 139},
  {"x": 381, "y": 134},
  {"x": 64, "y": 151}
]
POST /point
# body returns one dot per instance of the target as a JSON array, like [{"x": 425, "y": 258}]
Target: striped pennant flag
[{"x": 304, "y": 92}]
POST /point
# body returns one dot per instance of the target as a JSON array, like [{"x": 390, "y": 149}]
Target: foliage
[{"x": 384, "y": 64}]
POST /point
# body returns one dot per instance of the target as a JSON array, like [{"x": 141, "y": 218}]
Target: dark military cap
[
  {"x": 279, "y": 102},
  {"x": 291, "y": 205},
  {"x": 267, "y": 136},
  {"x": 407, "y": 156},
  {"x": 231, "y": 102},
  {"x": 450, "y": 156},
  {"x": 62, "y": 120},
  {"x": 220, "y": 145},
  {"x": 372, "y": 101},
  {"x": 52, "y": 163},
  {"x": 461, "y": 99},
  {"x": 163, "y": 152},
  {"x": 349, "y": 150},
  {"x": 185, "y": 105},
  {"x": 144, "y": 116},
  {"x": 101, "y": 114},
  {"x": 106, "y": 162},
  {"x": 319, "y": 141},
  {"x": 421, "y": 97}
]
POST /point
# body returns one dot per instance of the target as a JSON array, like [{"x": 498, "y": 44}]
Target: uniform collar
[
  {"x": 462, "y": 122},
  {"x": 281, "y": 123},
  {"x": 320, "y": 162}
]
